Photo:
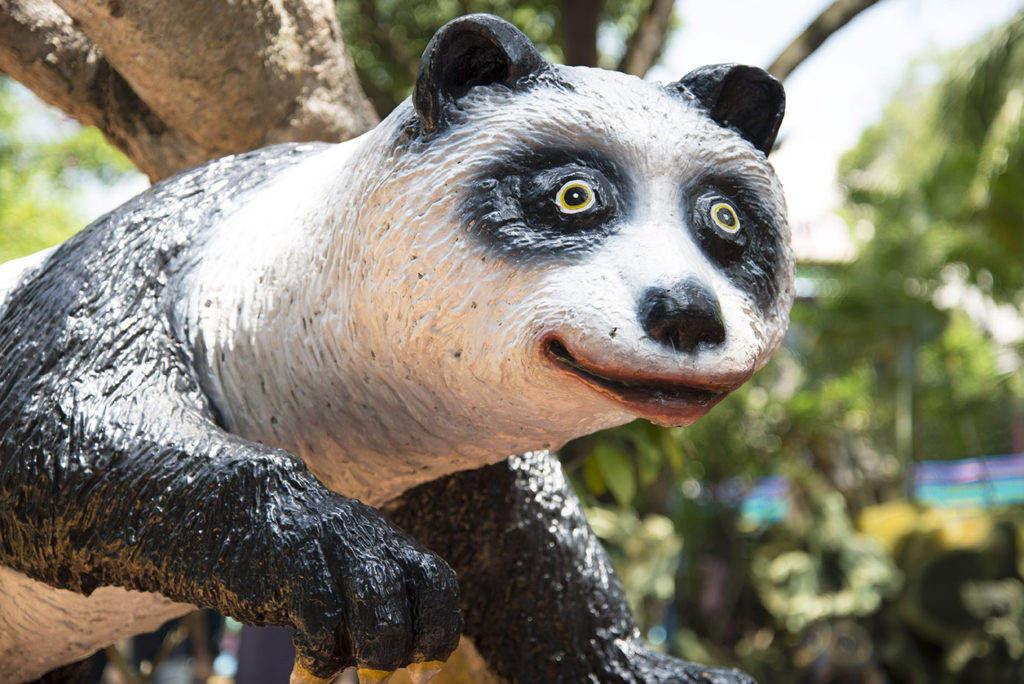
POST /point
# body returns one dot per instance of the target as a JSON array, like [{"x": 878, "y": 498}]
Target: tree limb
[
  {"x": 282, "y": 79},
  {"x": 645, "y": 45},
  {"x": 41, "y": 48},
  {"x": 833, "y": 18},
  {"x": 145, "y": 71}
]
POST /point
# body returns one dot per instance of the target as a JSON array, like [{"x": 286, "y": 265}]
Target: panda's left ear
[
  {"x": 476, "y": 49},
  {"x": 746, "y": 99}
]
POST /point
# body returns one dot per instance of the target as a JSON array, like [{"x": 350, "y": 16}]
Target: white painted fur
[
  {"x": 346, "y": 318},
  {"x": 405, "y": 350}
]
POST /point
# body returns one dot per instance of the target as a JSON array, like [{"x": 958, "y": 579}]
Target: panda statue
[{"x": 285, "y": 384}]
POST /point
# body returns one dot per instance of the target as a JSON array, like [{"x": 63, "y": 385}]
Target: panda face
[
  {"x": 555, "y": 260},
  {"x": 560, "y": 204},
  {"x": 643, "y": 248}
]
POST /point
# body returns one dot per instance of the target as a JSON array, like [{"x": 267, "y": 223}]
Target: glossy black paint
[
  {"x": 114, "y": 471},
  {"x": 751, "y": 257},
  {"x": 746, "y": 99},
  {"x": 114, "y": 468},
  {"x": 685, "y": 317},
  {"x": 477, "y": 49},
  {"x": 512, "y": 205},
  {"x": 539, "y": 594}
]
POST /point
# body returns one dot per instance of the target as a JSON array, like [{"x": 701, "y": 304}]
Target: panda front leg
[
  {"x": 540, "y": 598},
  {"x": 207, "y": 518}
]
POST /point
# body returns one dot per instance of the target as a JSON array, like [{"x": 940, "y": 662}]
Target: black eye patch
[
  {"x": 720, "y": 225},
  {"x": 553, "y": 203},
  {"x": 738, "y": 230}
]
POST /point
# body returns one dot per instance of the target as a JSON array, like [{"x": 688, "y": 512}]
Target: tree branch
[
  {"x": 41, "y": 48},
  {"x": 833, "y": 18},
  {"x": 145, "y": 71},
  {"x": 645, "y": 45},
  {"x": 233, "y": 90}
]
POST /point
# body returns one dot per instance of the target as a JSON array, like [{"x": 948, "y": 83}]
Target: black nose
[{"x": 685, "y": 316}]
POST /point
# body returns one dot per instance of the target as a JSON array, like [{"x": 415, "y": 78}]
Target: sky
[{"x": 834, "y": 95}]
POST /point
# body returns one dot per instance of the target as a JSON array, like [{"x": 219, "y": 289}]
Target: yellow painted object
[
  {"x": 301, "y": 675},
  {"x": 370, "y": 676},
  {"x": 955, "y": 528}
]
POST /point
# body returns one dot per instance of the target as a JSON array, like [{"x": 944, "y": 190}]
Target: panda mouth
[{"x": 669, "y": 402}]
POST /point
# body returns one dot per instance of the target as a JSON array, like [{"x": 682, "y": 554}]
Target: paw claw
[
  {"x": 421, "y": 673},
  {"x": 301, "y": 675},
  {"x": 368, "y": 676}
]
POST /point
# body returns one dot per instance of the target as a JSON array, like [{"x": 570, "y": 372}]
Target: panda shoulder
[
  {"x": 182, "y": 207},
  {"x": 219, "y": 181}
]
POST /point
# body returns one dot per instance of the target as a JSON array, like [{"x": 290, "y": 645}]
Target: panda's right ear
[
  {"x": 746, "y": 99},
  {"x": 477, "y": 49}
]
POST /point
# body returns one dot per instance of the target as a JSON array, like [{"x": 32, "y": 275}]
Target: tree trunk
[
  {"x": 175, "y": 85},
  {"x": 645, "y": 45},
  {"x": 580, "y": 19}
]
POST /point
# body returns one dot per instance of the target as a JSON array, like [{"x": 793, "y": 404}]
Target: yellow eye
[
  {"x": 575, "y": 196},
  {"x": 725, "y": 217}
]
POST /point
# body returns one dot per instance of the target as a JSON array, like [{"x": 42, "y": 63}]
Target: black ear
[
  {"x": 476, "y": 49},
  {"x": 746, "y": 99}
]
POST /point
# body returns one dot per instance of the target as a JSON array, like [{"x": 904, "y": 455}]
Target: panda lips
[{"x": 662, "y": 401}]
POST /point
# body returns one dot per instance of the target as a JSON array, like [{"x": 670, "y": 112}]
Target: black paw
[{"x": 361, "y": 592}]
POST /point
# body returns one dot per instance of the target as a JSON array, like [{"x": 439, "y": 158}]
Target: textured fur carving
[{"x": 205, "y": 392}]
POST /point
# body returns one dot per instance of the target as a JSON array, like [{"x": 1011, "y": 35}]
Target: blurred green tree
[
  {"x": 387, "y": 37},
  {"x": 45, "y": 163},
  {"x": 937, "y": 186}
]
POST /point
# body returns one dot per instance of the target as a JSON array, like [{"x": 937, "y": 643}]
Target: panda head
[{"x": 620, "y": 247}]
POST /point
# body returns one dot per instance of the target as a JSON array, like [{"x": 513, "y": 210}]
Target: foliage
[
  {"x": 819, "y": 567},
  {"x": 936, "y": 185},
  {"x": 648, "y": 551},
  {"x": 961, "y": 616},
  {"x": 947, "y": 163},
  {"x": 44, "y": 161},
  {"x": 387, "y": 37}
]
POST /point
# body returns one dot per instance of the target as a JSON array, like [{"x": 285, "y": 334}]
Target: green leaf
[
  {"x": 592, "y": 477},
  {"x": 616, "y": 471}
]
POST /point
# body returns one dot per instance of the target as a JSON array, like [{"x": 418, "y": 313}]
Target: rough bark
[
  {"x": 40, "y": 47},
  {"x": 834, "y": 17},
  {"x": 646, "y": 44},
  {"x": 146, "y": 76}
]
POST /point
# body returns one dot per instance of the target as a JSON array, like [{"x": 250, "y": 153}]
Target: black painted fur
[
  {"x": 511, "y": 207},
  {"x": 113, "y": 470},
  {"x": 751, "y": 259},
  {"x": 539, "y": 594}
]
